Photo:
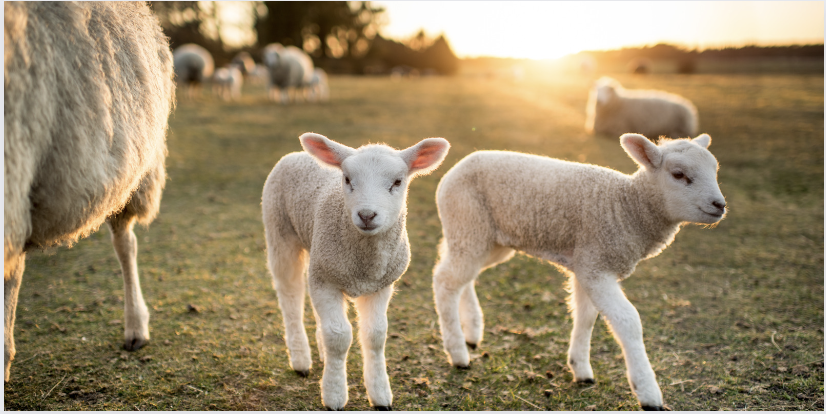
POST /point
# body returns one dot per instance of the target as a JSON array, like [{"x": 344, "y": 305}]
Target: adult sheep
[
  {"x": 613, "y": 111},
  {"x": 339, "y": 214},
  {"x": 193, "y": 67},
  {"x": 291, "y": 69},
  {"x": 88, "y": 90},
  {"x": 594, "y": 223}
]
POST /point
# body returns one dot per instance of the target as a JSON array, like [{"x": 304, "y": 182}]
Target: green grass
[{"x": 733, "y": 315}]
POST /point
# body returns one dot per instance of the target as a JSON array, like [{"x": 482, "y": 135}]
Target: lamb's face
[
  {"x": 688, "y": 178},
  {"x": 374, "y": 182}
]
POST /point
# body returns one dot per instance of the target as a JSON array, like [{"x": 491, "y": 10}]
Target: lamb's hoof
[
  {"x": 471, "y": 346},
  {"x": 134, "y": 344},
  {"x": 586, "y": 381},
  {"x": 383, "y": 408},
  {"x": 303, "y": 374},
  {"x": 658, "y": 408},
  {"x": 463, "y": 367}
]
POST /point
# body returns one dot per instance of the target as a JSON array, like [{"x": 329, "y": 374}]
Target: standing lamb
[
  {"x": 193, "y": 67},
  {"x": 227, "y": 82},
  {"x": 595, "y": 224},
  {"x": 613, "y": 110},
  {"x": 87, "y": 93},
  {"x": 319, "y": 89},
  {"x": 341, "y": 212},
  {"x": 290, "y": 70}
]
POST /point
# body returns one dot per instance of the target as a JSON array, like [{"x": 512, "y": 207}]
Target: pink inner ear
[
  {"x": 426, "y": 157},
  {"x": 320, "y": 150}
]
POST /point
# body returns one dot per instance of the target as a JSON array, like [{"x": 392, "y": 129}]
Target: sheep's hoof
[
  {"x": 383, "y": 408},
  {"x": 134, "y": 344},
  {"x": 653, "y": 408},
  {"x": 471, "y": 346},
  {"x": 463, "y": 367},
  {"x": 586, "y": 381},
  {"x": 303, "y": 374}
]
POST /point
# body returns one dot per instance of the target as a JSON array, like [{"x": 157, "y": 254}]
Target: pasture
[{"x": 732, "y": 315}]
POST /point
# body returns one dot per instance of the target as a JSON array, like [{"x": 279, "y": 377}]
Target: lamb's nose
[
  {"x": 719, "y": 205},
  {"x": 367, "y": 216}
]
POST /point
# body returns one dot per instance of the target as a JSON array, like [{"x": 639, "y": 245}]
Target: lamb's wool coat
[
  {"x": 290, "y": 68},
  {"x": 88, "y": 88},
  {"x": 613, "y": 110}
]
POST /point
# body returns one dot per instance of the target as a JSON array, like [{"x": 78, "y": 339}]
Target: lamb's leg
[
  {"x": 372, "y": 314},
  {"x": 136, "y": 314},
  {"x": 13, "y": 275},
  {"x": 287, "y": 264},
  {"x": 337, "y": 335},
  {"x": 606, "y": 294},
  {"x": 318, "y": 337},
  {"x": 584, "y": 314},
  {"x": 450, "y": 277},
  {"x": 470, "y": 315}
]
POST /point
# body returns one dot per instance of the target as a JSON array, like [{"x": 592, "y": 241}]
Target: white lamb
[
  {"x": 291, "y": 69},
  {"x": 341, "y": 212},
  {"x": 594, "y": 223},
  {"x": 227, "y": 82},
  {"x": 319, "y": 89},
  {"x": 613, "y": 110},
  {"x": 87, "y": 93},
  {"x": 193, "y": 67}
]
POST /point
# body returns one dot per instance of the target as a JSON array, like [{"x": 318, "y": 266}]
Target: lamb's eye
[
  {"x": 678, "y": 175},
  {"x": 397, "y": 183},
  {"x": 347, "y": 180}
]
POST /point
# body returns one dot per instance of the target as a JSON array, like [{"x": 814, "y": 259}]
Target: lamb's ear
[
  {"x": 325, "y": 150},
  {"x": 642, "y": 151},
  {"x": 703, "y": 140},
  {"x": 425, "y": 156}
]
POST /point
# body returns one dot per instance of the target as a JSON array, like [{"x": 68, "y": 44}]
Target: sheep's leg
[
  {"x": 607, "y": 296},
  {"x": 450, "y": 277},
  {"x": 584, "y": 314},
  {"x": 470, "y": 315},
  {"x": 136, "y": 314},
  {"x": 318, "y": 337},
  {"x": 372, "y": 314},
  {"x": 337, "y": 335},
  {"x": 287, "y": 265},
  {"x": 13, "y": 275}
]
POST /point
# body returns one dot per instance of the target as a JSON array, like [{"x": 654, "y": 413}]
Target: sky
[{"x": 547, "y": 30}]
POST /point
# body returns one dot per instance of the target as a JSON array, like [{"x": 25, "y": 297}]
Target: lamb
[
  {"x": 227, "y": 82},
  {"x": 290, "y": 69},
  {"x": 88, "y": 91},
  {"x": 193, "y": 67},
  {"x": 613, "y": 110},
  {"x": 341, "y": 213},
  {"x": 244, "y": 62},
  {"x": 595, "y": 224},
  {"x": 319, "y": 89}
]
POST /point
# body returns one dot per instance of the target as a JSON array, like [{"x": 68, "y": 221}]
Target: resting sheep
[
  {"x": 87, "y": 92},
  {"x": 341, "y": 212},
  {"x": 290, "y": 70},
  {"x": 613, "y": 110},
  {"x": 227, "y": 83},
  {"x": 193, "y": 67},
  {"x": 319, "y": 89},
  {"x": 594, "y": 223}
]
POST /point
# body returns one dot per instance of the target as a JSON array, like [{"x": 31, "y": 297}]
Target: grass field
[{"x": 732, "y": 316}]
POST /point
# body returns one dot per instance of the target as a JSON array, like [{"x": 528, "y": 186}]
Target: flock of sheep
[
  {"x": 88, "y": 90},
  {"x": 288, "y": 73}
]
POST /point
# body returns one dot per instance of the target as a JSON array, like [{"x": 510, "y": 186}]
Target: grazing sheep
[
  {"x": 259, "y": 75},
  {"x": 227, "y": 82},
  {"x": 341, "y": 212},
  {"x": 193, "y": 67},
  {"x": 87, "y": 93},
  {"x": 244, "y": 62},
  {"x": 613, "y": 110},
  {"x": 319, "y": 89},
  {"x": 290, "y": 70},
  {"x": 594, "y": 223}
]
